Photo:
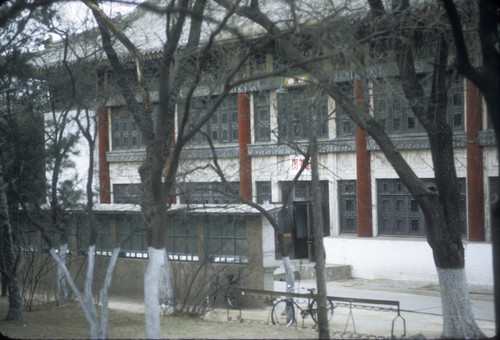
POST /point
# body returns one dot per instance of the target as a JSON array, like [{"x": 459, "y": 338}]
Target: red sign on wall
[{"x": 298, "y": 162}]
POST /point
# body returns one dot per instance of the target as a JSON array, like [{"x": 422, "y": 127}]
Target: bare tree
[
  {"x": 182, "y": 66},
  {"x": 486, "y": 80},
  {"x": 319, "y": 247}
]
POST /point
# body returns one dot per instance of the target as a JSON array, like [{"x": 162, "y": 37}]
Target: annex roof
[{"x": 196, "y": 209}]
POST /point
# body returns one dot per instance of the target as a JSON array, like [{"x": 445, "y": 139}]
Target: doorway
[
  {"x": 299, "y": 226},
  {"x": 303, "y": 231}
]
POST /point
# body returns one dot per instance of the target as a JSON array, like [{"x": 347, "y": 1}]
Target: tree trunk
[
  {"x": 62, "y": 288},
  {"x": 319, "y": 249},
  {"x": 448, "y": 253},
  {"x": 88, "y": 309},
  {"x": 151, "y": 296},
  {"x": 455, "y": 297},
  {"x": 283, "y": 249},
  {"x": 290, "y": 280},
  {"x": 166, "y": 289},
  {"x": 15, "y": 312},
  {"x": 104, "y": 292}
]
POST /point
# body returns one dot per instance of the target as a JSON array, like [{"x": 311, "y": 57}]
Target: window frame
[
  {"x": 262, "y": 116},
  {"x": 127, "y": 193},
  {"x": 345, "y": 125},
  {"x": 182, "y": 232},
  {"x": 396, "y": 116},
  {"x": 206, "y": 193},
  {"x": 222, "y": 127},
  {"x": 218, "y": 243},
  {"x": 124, "y": 225},
  {"x": 345, "y": 195},
  {"x": 294, "y": 114},
  {"x": 395, "y": 192},
  {"x": 264, "y": 192}
]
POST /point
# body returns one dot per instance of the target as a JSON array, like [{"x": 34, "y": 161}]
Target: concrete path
[{"x": 420, "y": 305}]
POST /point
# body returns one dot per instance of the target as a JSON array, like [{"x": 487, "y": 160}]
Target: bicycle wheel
[
  {"x": 314, "y": 310},
  {"x": 283, "y": 313},
  {"x": 234, "y": 297}
]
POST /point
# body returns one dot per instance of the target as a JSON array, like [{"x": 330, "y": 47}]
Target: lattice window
[
  {"x": 294, "y": 114},
  {"x": 258, "y": 61},
  {"x": 226, "y": 238},
  {"x": 347, "y": 206},
  {"x": 207, "y": 193},
  {"x": 345, "y": 125},
  {"x": 222, "y": 127},
  {"x": 395, "y": 114},
  {"x": 127, "y": 193},
  {"x": 263, "y": 192},
  {"x": 262, "y": 120},
  {"x": 393, "y": 111},
  {"x": 182, "y": 238},
  {"x": 399, "y": 213},
  {"x": 455, "y": 108},
  {"x": 125, "y": 132}
]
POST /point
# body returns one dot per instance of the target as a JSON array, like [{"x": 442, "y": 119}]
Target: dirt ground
[{"x": 67, "y": 321}]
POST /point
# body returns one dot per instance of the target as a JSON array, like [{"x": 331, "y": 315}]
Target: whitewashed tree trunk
[
  {"x": 458, "y": 318},
  {"x": 89, "y": 311},
  {"x": 89, "y": 278},
  {"x": 62, "y": 289},
  {"x": 290, "y": 281},
  {"x": 98, "y": 330},
  {"x": 104, "y": 292},
  {"x": 151, "y": 290},
  {"x": 89, "y": 300},
  {"x": 166, "y": 288}
]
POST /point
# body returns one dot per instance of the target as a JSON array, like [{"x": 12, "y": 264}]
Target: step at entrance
[{"x": 305, "y": 271}]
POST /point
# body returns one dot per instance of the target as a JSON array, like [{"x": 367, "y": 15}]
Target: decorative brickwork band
[
  {"x": 363, "y": 172},
  {"x": 244, "y": 140},
  {"x": 475, "y": 176},
  {"x": 103, "y": 133}
]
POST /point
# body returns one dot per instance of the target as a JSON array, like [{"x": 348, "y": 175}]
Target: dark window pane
[
  {"x": 399, "y": 212},
  {"x": 347, "y": 206}
]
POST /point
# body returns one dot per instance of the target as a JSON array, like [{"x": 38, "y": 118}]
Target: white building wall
[{"x": 403, "y": 259}]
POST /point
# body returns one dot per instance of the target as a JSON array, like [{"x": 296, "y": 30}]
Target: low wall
[
  {"x": 403, "y": 259},
  {"x": 128, "y": 276}
]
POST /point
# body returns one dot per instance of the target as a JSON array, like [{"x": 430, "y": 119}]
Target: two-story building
[{"x": 371, "y": 221}]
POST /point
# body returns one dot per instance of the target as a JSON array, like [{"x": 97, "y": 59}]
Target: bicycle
[
  {"x": 231, "y": 296},
  {"x": 283, "y": 312}
]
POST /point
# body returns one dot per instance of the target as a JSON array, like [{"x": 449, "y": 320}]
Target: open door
[{"x": 302, "y": 231}]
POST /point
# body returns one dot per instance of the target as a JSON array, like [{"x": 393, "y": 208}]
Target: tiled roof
[{"x": 146, "y": 28}]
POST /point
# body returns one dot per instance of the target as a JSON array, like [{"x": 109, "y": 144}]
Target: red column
[
  {"x": 103, "y": 128},
  {"x": 363, "y": 172},
  {"x": 244, "y": 140},
  {"x": 475, "y": 175}
]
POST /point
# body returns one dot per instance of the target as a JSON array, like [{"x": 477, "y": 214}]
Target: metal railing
[{"x": 376, "y": 305}]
